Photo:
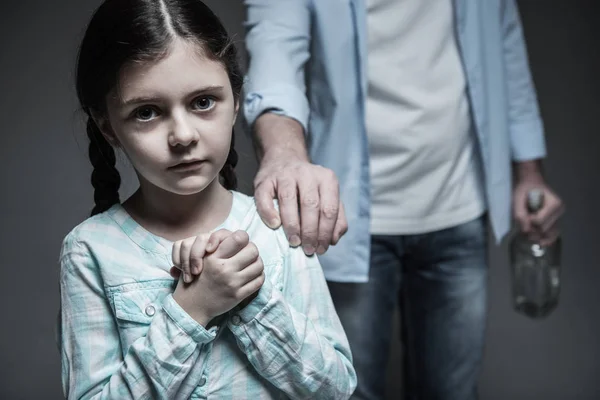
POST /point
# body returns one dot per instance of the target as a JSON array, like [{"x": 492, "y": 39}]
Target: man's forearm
[{"x": 277, "y": 135}]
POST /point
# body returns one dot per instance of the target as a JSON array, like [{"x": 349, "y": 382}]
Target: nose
[{"x": 182, "y": 132}]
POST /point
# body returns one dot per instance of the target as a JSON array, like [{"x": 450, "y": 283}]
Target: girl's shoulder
[
  {"x": 272, "y": 243},
  {"x": 95, "y": 232}
]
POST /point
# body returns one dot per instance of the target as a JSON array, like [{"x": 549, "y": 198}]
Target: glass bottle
[{"x": 535, "y": 269}]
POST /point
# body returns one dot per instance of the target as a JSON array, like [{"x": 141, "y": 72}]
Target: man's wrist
[
  {"x": 277, "y": 154},
  {"x": 278, "y": 136},
  {"x": 529, "y": 170}
]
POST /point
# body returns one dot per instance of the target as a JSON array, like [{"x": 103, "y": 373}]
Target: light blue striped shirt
[
  {"x": 308, "y": 61},
  {"x": 122, "y": 336}
]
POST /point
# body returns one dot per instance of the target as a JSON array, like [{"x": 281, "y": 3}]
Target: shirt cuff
[
  {"x": 284, "y": 100},
  {"x": 186, "y": 323},
  {"x": 527, "y": 140}
]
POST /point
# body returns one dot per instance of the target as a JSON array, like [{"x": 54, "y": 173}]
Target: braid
[
  {"x": 228, "y": 170},
  {"x": 105, "y": 177}
]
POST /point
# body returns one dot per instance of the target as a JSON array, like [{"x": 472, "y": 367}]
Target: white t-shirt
[{"x": 425, "y": 167}]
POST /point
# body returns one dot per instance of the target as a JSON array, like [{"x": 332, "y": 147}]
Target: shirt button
[
  {"x": 150, "y": 311},
  {"x": 202, "y": 381},
  {"x": 236, "y": 320}
]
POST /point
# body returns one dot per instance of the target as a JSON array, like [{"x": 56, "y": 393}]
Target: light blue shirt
[
  {"x": 123, "y": 336},
  {"x": 308, "y": 62}
]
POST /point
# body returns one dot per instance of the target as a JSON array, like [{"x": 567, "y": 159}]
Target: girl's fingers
[
  {"x": 184, "y": 256},
  {"x": 176, "y": 254},
  {"x": 252, "y": 287},
  {"x": 251, "y": 272},
  {"x": 197, "y": 253},
  {"x": 246, "y": 256},
  {"x": 216, "y": 238},
  {"x": 232, "y": 245}
]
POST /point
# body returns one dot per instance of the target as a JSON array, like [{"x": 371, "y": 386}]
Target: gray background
[{"x": 45, "y": 192}]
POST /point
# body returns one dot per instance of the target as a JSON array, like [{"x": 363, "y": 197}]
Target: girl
[{"x": 158, "y": 79}]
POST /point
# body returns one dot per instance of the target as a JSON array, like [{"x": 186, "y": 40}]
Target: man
[{"x": 423, "y": 110}]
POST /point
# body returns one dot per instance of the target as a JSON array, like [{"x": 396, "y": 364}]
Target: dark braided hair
[
  {"x": 227, "y": 172},
  {"x": 124, "y": 31},
  {"x": 105, "y": 177}
]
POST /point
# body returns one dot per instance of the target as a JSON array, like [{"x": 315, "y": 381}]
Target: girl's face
[{"x": 173, "y": 118}]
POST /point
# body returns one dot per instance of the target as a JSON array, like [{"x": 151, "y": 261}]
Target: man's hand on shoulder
[{"x": 310, "y": 209}]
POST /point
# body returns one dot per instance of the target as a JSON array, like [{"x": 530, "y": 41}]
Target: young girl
[{"x": 251, "y": 318}]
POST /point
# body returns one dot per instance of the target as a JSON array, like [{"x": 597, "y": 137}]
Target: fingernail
[
  {"x": 309, "y": 249},
  {"x": 274, "y": 224},
  {"x": 321, "y": 249},
  {"x": 295, "y": 240},
  {"x": 187, "y": 278}
]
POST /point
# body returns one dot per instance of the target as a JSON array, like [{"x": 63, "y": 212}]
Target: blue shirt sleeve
[
  {"x": 277, "y": 40},
  {"x": 525, "y": 123}
]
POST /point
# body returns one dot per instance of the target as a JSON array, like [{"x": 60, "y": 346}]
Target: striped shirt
[{"x": 122, "y": 336}]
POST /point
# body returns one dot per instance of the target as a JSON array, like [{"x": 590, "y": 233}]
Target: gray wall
[{"x": 45, "y": 192}]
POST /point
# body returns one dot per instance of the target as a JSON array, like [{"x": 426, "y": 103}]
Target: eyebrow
[{"x": 153, "y": 99}]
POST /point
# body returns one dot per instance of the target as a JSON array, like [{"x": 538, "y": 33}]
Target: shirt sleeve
[
  {"x": 93, "y": 366},
  {"x": 277, "y": 40},
  {"x": 292, "y": 335},
  {"x": 525, "y": 123}
]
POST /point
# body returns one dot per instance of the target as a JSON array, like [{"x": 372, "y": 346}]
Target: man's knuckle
[
  {"x": 298, "y": 168},
  {"x": 287, "y": 196},
  {"x": 287, "y": 192},
  {"x": 310, "y": 201},
  {"x": 259, "y": 179},
  {"x": 329, "y": 175},
  {"x": 330, "y": 211},
  {"x": 286, "y": 182}
]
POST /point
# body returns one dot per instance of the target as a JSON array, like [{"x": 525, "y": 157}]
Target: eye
[
  {"x": 203, "y": 103},
  {"x": 145, "y": 113}
]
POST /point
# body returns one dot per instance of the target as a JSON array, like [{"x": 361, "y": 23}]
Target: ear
[{"x": 103, "y": 124}]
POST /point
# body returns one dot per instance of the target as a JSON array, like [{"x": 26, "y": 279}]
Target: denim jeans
[{"x": 439, "y": 279}]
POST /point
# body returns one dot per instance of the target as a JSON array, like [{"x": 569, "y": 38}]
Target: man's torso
[{"x": 424, "y": 166}]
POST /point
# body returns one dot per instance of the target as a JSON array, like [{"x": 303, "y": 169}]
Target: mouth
[{"x": 187, "y": 165}]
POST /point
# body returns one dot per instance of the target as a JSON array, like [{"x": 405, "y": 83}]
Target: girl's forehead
[{"x": 184, "y": 67}]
